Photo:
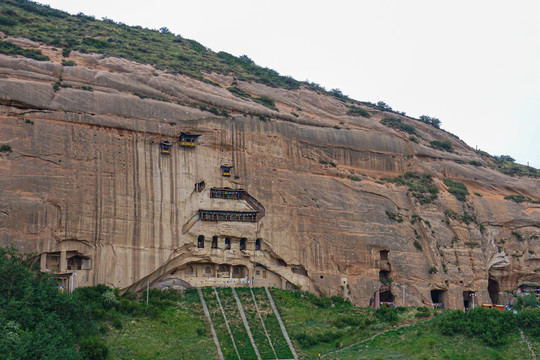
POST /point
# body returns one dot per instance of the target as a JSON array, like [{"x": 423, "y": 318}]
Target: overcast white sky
[{"x": 475, "y": 65}]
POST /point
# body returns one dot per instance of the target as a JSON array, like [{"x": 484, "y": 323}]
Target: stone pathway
[
  {"x": 281, "y": 325},
  {"x": 212, "y": 330},
  {"x": 529, "y": 345},
  {"x": 262, "y": 322},
  {"x": 227, "y": 323},
  {"x": 246, "y": 325}
]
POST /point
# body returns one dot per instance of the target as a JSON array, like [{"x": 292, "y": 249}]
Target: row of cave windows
[{"x": 214, "y": 245}]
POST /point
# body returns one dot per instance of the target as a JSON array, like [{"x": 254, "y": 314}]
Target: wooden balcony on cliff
[
  {"x": 227, "y": 194},
  {"x": 219, "y": 215},
  {"x": 188, "y": 140},
  {"x": 165, "y": 147},
  {"x": 226, "y": 170}
]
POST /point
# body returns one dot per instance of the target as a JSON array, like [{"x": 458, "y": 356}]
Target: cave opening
[
  {"x": 200, "y": 242},
  {"x": 493, "y": 290},
  {"x": 438, "y": 298}
]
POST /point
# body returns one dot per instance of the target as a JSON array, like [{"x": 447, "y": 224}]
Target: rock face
[{"x": 87, "y": 187}]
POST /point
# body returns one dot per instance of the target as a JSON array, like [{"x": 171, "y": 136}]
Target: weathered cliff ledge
[{"x": 87, "y": 186}]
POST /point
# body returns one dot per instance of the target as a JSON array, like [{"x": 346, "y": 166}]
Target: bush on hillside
[{"x": 492, "y": 326}]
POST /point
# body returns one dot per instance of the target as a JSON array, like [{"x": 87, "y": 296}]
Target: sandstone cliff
[{"x": 86, "y": 186}]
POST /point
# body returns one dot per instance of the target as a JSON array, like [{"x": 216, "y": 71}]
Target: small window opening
[
  {"x": 214, "y": 242},
  {"x": 200, "y": 242},
  {"x": 384, "y": 274},
  {"x": 227, "y": 244},
  {"x": 383, "y": 254},
  {"x": 322, "y": 277},
  {"x": 281, "y": 262},
  {"x": 264, "y": 274},
  {"x": 199, "y": 187},
  {"x": 243, "y": 243},
  {"x": 258, "y": 244}
]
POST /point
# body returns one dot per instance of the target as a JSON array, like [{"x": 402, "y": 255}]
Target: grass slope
[
  {"x": 176, "y": 333},
  {"x": 245, "y": 349},
  {"x": 420, "y": 341},
  {"x": 255, "y": 324}
]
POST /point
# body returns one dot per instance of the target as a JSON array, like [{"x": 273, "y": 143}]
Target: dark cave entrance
[
  {"x": 438, "y": 297},
  {"x": 493, "y": 290}
]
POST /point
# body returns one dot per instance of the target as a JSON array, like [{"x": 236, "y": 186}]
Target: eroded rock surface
[{"x": 87, "y": 187}]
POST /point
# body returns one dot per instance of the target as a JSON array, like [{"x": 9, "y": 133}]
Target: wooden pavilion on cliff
[
  {"x": 165, "y": 147},
  {"x": 220, "y": 215},
  {"x": 188, "y": 140},
  {"x": 226, "y": 170},
  {"x": 227, "y": 193}
]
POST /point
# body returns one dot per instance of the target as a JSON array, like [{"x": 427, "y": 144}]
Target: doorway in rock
[
  {"x": 438, "y": 297},
  {"x": 467, "y": 299},
  {"x": 386, "y": 297},
  {"x": 493, "y": 290}
]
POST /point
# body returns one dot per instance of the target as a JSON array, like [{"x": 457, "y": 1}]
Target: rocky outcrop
[{"x": 87, "y": 187}]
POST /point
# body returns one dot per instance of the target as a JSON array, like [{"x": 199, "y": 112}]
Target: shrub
[
  {"x": 324, "y": 162},
  {"x": 68, "y": 63},
  {"x": 7, "y": 21},
  {"x": 395, "y": 217},
  {"x": 355, "y": 178},
  {"x": 266, "y": 101},
  {"x": 529, "y": 320},
  {"x": 432, "y": 270},
  {"x": 236, "y": 91},
  {"x": 457, "y": 189},
  {"x": 94, "y": 349},
  {"x": 388, "y": 315},
  {"x": 445, "y": 145},
  {"x": 417, "y": 245},
  {"x": 66, "y": 52},
  {"x": 520, "y": 198},
  {"x": 421, "y": 186},
  {"x": 492, "y": 326},
  {"x": 518, "y": 235},
  {"x": 398, "y": 124},
  {"x": 475, "y": 163},
  {"x": 431, "y": 121},
  {"x": 12, "y": 49},
  {"x": 357, "y": 111},
  {"x": 5, "y": 148},
  {"x": 414, "y": 139}
]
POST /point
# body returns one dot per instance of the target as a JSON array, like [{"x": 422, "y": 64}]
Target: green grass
[
  {"x": 357, "y": 111},
  {"x": 445, "y": 145},
  {"x": 245, "y": 349},
  {"x": 179, "y": 332},
  {"x": 457, "y": 189},
  {"x": 420, "y": 186},
  {"x": 222, "y": 333},
  {"x": 398, "y": 124},
  {"x": 255, "y": 324},
  {"x": 272, "y": 325},
  {"x": 420, "y": 341},
  {"x": 520, "y": 198},
  {"x": 12, "y": 49},
  {"x": 315, "y": 326}
]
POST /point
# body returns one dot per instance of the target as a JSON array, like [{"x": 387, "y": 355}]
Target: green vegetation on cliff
[
  {"x": 160, "y": 48},
  {"x": 37, "y": 321}
]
